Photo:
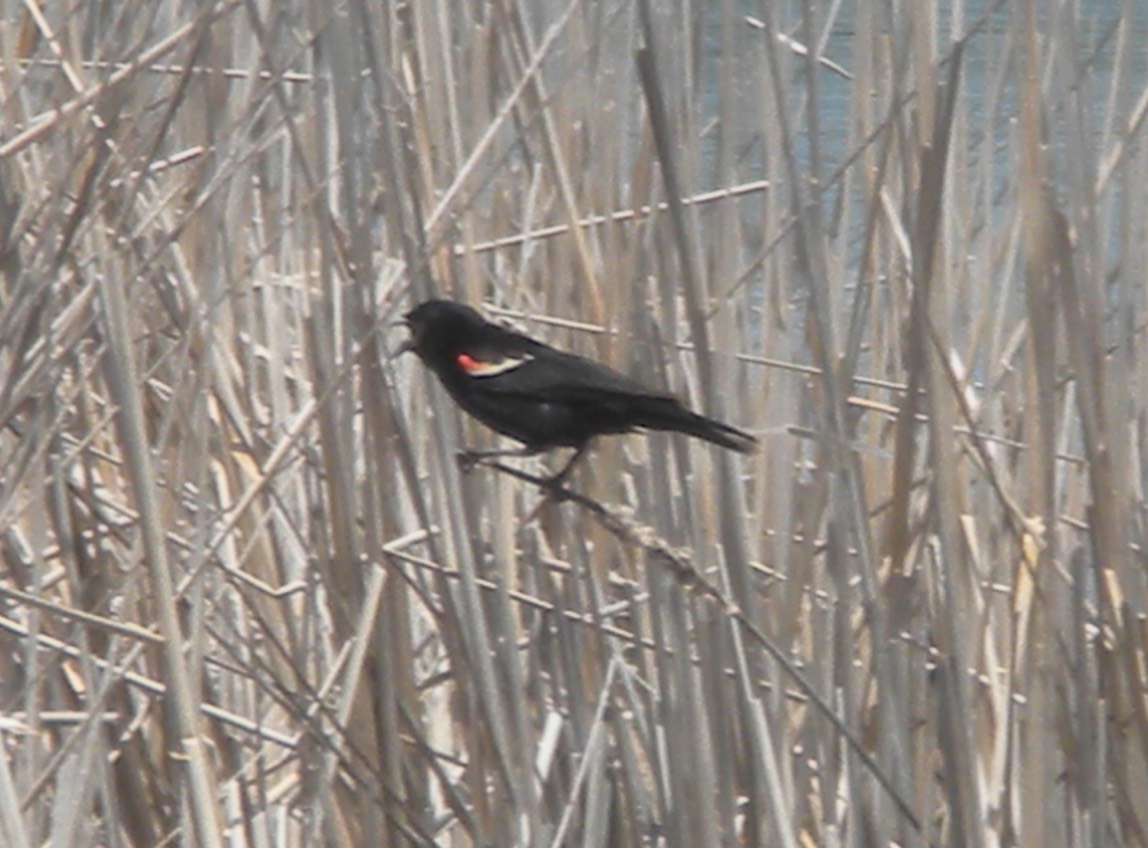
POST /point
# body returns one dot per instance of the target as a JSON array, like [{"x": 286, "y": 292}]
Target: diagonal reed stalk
[{"x": 246, "y": 596}]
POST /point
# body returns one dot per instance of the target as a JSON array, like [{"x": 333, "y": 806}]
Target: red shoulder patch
[
  {"x": 484, "y": 368},
  {"x": 468, "y": 363}
]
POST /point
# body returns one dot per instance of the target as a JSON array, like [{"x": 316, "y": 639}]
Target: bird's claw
[
  {"x": 467, "y": 460},
  {"x": 555, "y": 488}
]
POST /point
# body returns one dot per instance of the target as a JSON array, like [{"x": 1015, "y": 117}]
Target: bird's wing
[{"x": 538, "y": 370}]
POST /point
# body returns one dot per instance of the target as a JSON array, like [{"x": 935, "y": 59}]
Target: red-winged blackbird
[{"x": 543, "y": 397}]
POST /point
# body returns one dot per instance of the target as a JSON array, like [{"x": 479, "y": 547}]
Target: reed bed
[{"x": 247, "y": 598}]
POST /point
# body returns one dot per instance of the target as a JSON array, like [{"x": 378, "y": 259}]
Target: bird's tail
[
  {"x": 718, "y": 433},
  {"x": 671, "y": 415}
]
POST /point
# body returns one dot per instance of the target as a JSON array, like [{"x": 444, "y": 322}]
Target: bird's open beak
[{"x": 409, "y": 344}]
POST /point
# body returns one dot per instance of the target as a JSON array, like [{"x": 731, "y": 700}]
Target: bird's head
[
  {"x": 456, "y": 342},
  {"x": 441, "y": 328}
]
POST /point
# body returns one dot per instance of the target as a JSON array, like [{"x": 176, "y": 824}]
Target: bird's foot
[
  {"x": 555, "y": 487},
  {"x": 467, "y": 460}
]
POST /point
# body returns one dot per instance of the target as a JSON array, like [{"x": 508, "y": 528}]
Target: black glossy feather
[{"x": 541, "y": 396}]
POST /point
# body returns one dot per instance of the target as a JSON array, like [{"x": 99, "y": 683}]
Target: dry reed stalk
[{"x": 246, "y": 595}]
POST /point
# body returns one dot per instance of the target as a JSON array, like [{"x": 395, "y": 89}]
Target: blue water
[
  {"x": 988, "y": 79},
  {"x": 1080, "y": 113}
]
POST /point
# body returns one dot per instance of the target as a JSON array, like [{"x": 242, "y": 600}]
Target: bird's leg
[
  {"x": 552, "y": 485},
  {"x": 555, "y": 481},
  {"x": 468, "y": 459}
]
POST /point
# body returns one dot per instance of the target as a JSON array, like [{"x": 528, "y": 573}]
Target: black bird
[{"x": 541, "y": 396}]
